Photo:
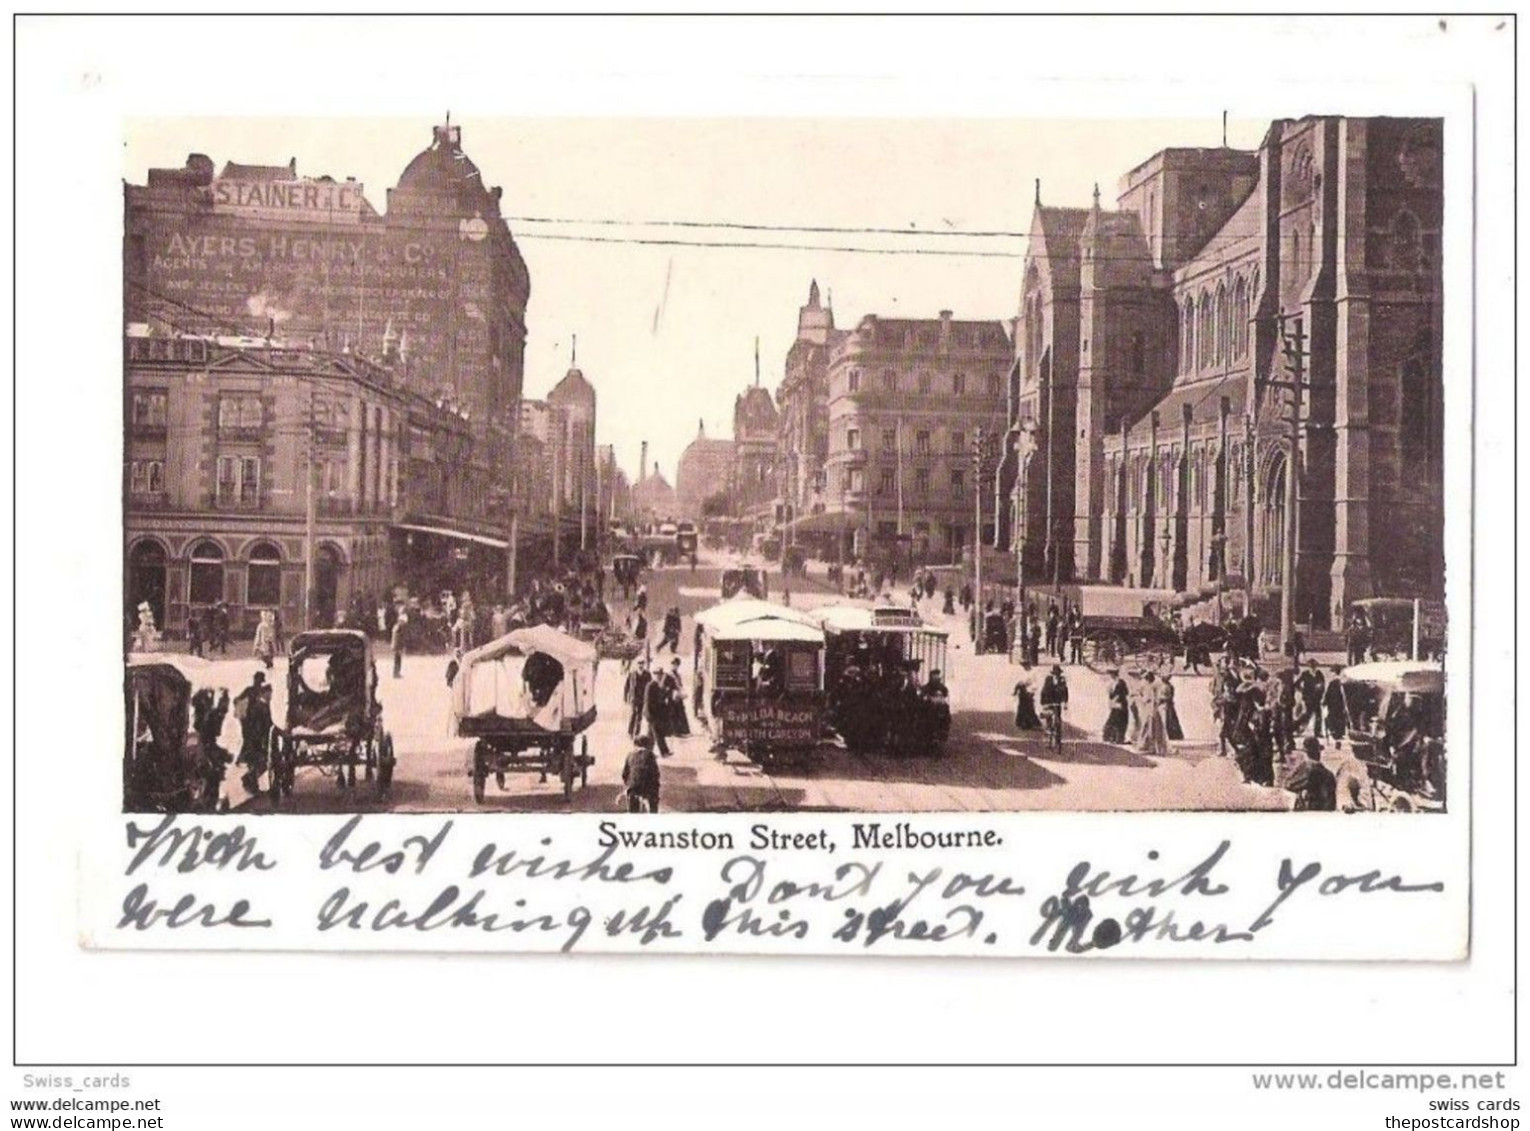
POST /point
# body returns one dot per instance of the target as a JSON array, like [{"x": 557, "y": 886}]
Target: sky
[{"x": 666, "y": 334}]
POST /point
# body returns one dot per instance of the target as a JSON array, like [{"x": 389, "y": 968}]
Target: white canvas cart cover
[
  {"x": 1417, "y": 677},
  {"x": 491, "y": 680}
]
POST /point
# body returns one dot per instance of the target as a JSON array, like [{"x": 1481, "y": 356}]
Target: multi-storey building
[
  {"x": 803, "y": 414},
  {"x": 906, "y": 398},
  {"x": 263, "y": 254},
  {"x": 1158, "y": 342},
  {"x": 250, "y": 467},
  {"x": 752, "y": 481}
]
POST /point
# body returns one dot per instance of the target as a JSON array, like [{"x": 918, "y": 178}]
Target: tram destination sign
[
  {"x": 303, "y": 200},
  {"x": 773, "y": 724}
]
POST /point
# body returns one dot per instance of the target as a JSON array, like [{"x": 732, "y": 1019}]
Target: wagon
[
  {"x": 525, "y": 699},
  {"x": 1126, "y": 627},
  {"x": 334, "y": 721},
  {"x": 164, "y": 769},
  {"x": 1396, "y": 722}
]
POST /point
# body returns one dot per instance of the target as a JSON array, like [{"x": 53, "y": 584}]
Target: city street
[{"x": 986, "y": 766}]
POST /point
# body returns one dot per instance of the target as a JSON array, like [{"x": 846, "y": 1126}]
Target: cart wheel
[
  {"x": 478, "y": 782},
  {"x": 1104, "y": 651},
  {"x": 385, "y": 764},
  {"x": 584, "y": 762},
  {"x": 499, "y": 779}
]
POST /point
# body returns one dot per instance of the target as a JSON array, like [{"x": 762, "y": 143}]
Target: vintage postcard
[{"x": 1013, "y": 536}]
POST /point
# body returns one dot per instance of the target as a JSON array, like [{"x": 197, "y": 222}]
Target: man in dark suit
[
  {"x": 1313, "y": 783},
  {"x": 656, "y": 704},
  {"x": 636, "y": 694}
]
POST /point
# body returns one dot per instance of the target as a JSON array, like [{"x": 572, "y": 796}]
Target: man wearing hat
[
  {"x": 1309, "y": 690},
  {"x": 1120, "y": 696},
  {"x": 252, "y": 707},
  {"x": 1335, "y": 711},
  {"x": 636, "y": 695},
  {"x": 1312, "y": 782},
  {"x": 640, "y": 777},
  {"x": 1054, "y": 696}
]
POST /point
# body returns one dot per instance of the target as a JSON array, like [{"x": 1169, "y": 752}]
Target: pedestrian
[
  {"x": 696, "y": 638},
  {"x": 640, "y": 777},
  {"x": 674, "y": 686},
  {"x": 636, "y": 695},
  {"x": 499, "y": 621},
  {"x": 1025, "y": 700},
  {"x": 1034, "y": 644},
  {"x": 1357, "y": 638},
  {"x": 642, "y": 598},
  {"x": 278, "y": 635},
  {"x": 1118, "y": 719},
  {"x": 265, "y": 639},
  {"x": 208, "y": 715},
  {"x": 1152, "y": 737},
  {"x": 1076, "y": 635},
  {"x": 1335, "y": 712},
  {"x": 656, "y": 707},
  {"x": 1171, "y": 726},
  {"x": 1054, "y": 622},
  {"x": 252, "y": 707},
  {"x": 670, "y": 637},
  {"x": 639, "y": 627},
  {"x": 1310, "y": 686},
  {"x": 453, "y": 666},
  {"x": 194, "y": 632},
  {"x": 1313, "y": 783},
  {"x": 400, "y": 641},
  {"x": 949, "y": 607}
]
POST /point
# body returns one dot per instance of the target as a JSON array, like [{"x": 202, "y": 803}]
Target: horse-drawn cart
[
  {"x": 525, "y": 698},
  {"x": 1127, "y": 627}
]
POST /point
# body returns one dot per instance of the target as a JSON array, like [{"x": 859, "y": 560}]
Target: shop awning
[{"x": 448, "y": 532}]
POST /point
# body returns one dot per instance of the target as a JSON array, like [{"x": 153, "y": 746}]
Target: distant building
[
  {"x": 905, "y": 400},
  {"x": 705, "y": 469},
  {"x": 1151, "y": 337},
  {"x": 653, "y": 499},
  {"x": 802, "y": 400},
  {"x": 753, "y": 483}
]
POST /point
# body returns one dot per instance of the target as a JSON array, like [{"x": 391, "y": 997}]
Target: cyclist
[{"x": 1054, "y": 701}]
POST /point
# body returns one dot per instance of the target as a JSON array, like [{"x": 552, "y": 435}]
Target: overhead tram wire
[
  {"x": 750, "y": 245},
  {"x": 735, "y": 226}
]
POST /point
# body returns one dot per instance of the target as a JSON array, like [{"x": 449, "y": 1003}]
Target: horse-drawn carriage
[
  {"x": 883, "y": 679},
  {"x": 746, "y": 579},
  {"x": 626, "y": 569},
  {"x": 1126, "y": 626},
  {"x": 164, "y": 769},
  {"x": 1396, "y": 722},
  {"x": 334, "y": 721},
  {"x": 525, "y": 698}
]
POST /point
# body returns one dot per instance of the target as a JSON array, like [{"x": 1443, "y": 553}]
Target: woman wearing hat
[
  {"x": 1025, "y": 701},
  {"x": 1153, "y": 739}
]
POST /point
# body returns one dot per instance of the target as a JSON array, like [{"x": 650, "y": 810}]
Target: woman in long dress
[
  {"x": 1171, "y": 727},
  {"x": 1025, "y": 701},
  {"x": 1134, "y": 708},
  {"x": 1152, "y": 739}
]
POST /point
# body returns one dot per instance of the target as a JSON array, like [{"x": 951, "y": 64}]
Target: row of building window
[
  {"x": 924, "y": 384},
  {"x": 923, "y": 442},
  {"x": 1213, "y": 326},
  {"x": 1161, "y": 481},
  {"x": 236, "y": 411},
  {"x": 263, "y": 571},
  {"x": 918, "y": 483}
]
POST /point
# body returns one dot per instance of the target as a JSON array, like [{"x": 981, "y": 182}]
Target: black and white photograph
[
  {"x": 737, "y": 568},
  {"x": 1111, "y": 480}
]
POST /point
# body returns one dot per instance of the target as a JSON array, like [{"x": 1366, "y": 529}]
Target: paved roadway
[{"x": 986, "y": 764}]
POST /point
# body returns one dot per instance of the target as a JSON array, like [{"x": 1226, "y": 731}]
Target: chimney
[{"x": 643, "y": 463}]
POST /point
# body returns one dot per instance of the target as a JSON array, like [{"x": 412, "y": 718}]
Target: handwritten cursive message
[{"x": 391, "y": 882}]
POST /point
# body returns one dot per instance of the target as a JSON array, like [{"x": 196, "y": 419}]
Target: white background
[{"x": 77, "y": 80}]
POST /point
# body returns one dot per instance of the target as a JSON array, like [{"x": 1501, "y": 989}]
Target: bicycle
[{"x": 1051, "y": 727}]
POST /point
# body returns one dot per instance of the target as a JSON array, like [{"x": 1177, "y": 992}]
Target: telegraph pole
[
  {"x": 309, "y": 516},
  {"x": 1294, "y": 347}
]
